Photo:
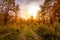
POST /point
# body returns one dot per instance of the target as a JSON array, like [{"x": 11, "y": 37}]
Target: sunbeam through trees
[{"x": 29, "y": 19}]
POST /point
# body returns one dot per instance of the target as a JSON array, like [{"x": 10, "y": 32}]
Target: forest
[{"x": 46, "y": 26}]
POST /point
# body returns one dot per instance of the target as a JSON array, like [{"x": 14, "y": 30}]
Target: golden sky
[{"x": 29, "y": 7}]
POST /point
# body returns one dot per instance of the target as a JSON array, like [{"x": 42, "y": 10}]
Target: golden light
[
  {"x": 33, "y": 9},
  {"x": 29, "y": 10}
]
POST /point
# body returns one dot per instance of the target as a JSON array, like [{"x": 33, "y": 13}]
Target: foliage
[{"x": 48, "y": 28}]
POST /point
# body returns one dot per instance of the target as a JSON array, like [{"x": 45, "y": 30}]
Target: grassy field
[{"x": 30, "y": 31}]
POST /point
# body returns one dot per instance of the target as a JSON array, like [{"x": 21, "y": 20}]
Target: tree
[
  {"x": 46, "y": 10},
  {"x": 56, "y": 12},
  {"x": 9, "y": 6}
]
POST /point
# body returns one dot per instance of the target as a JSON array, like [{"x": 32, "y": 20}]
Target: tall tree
[
  {"x": 46, "y": 10},
  {"x": 56, "y": 12},
  {"x": 9, "y": 7}
]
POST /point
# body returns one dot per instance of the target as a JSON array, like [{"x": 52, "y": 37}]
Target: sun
[
  {"x": 29, "y": 10},
  {"x": 33, "y": 9}
]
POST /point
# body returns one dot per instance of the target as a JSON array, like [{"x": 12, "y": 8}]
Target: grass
[{"x": 45, "y": 32}]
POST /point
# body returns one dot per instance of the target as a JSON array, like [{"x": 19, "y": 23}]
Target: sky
[{"x": 24, "y": 5}]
